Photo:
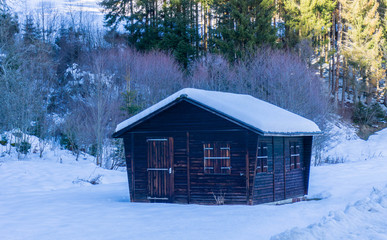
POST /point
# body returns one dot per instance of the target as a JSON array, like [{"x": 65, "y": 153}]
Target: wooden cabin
[{"x": 208, "y": 147}]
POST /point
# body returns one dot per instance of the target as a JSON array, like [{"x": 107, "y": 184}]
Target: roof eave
[{"x": 291, "y": 134}]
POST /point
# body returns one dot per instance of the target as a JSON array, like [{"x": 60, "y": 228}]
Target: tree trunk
[
  {"x": 339, "y": 37},
  {"x": 205, "y": 24},
  {"x": 344, "y": 85},
  {"x": 385, "y": 97},
  {"x": 333, "y": 41},
  {"x": 197, "y": 28}
]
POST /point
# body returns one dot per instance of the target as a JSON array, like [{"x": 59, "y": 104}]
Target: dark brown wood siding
[
  {"x": 264, "y": 181},
  {"x": 294, "y": 178},
  {"x": 205, "y": 186},
  {"x": 279, "y": 167},
  {"x": 185, "y": 116},
  {"x": 307, "y": 143}
]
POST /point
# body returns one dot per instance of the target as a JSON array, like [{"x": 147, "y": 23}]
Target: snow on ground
[
  {"x": 57, "y": 169},
  {"x": 346, "y": 145},
  {"x": 365, "y": 219},
  {"x": 41, "y": 199}
]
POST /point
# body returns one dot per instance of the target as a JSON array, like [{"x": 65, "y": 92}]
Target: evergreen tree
[
  {"x": 363, "y": 44},
  {"x": 31, "y": 32},
  {"x": 309, "y": 19},
  {"x": 9, "y": 26},
  {"x": 177, "y": 35},
  {"x": 243, "y": 26}
]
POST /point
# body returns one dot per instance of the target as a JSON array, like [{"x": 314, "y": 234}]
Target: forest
[{"x": 61, "y": 80}]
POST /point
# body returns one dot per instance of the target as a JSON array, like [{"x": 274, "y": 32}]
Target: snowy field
[{"x": 46, "y": 199}]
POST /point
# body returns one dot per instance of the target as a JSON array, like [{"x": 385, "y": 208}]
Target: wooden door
[{"x": 160, "y": 169}]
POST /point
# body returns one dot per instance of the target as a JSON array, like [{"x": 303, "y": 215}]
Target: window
[
  {"x": 217, "y": 158},
  {"x": 294, "y": 155},
  {"x": 262, "y": 157}
]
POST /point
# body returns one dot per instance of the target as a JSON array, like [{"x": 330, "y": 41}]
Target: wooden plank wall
[
  {"x": 263, "y": 187},
  {"x": 204, "y": 186},
  {"x": 264, "y": 182},
  {"x": 294, "y": 179},
  {"x": 180, "y": 121},
  {"x": 279, "y": 176},
  {"x": 283, "y": 183},
  {"x": 129, "y": 163},
  {"x": 185, "y": 117}
]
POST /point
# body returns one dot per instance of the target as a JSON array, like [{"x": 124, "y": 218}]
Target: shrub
[
  {"x": 368, "y": 115},
  {"x": 24, "y": 147},
  {"x": 94, "y": 180},
  {"x": 4, "y": 140},
  {"x": 219, "y": 197}
]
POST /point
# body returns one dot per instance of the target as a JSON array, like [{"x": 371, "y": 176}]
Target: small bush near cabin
[
  {"x": 4, "y": 140},
  {"x": 24, "y": 147},
  {"x": 368, "y": 115}
]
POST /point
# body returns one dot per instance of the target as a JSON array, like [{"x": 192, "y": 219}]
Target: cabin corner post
[
  {"x": 132, "y": 188},
  {"x": 285, "y": 160},
  {"x": 188, "y": 170},
  {"x": 308, "y": 147},
  {"x": 247, "y": 168}
]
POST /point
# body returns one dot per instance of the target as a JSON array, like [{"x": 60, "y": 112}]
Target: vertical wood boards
[
  {"x": 279, "y": 167},
  {"x": 247, "y": 168},
  {"x": 188, "y": 170},
  {"x": 264, "y": 182},
  {"x": 160, "y": 169},
  {"x": 294, "y": 175},
  {"x": 307, "y": 144}
]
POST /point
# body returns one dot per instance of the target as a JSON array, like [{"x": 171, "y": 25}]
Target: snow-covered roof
[{"x": 251, "y": 112}]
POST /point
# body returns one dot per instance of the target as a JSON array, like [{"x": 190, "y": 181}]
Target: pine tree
[
  {"x": 383, "y": 19},
  {"x": 309, "y": 19},
  {"x": 31, "y": 32},
  {"x": 363, "y": 44},
  {"x": 178, "y": 36},
  {"x": 9, "y": 26},
  {"x": 243, "y": 26}
]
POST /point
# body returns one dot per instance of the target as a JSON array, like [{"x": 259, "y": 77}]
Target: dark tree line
[{"x": 192, "y": 28}]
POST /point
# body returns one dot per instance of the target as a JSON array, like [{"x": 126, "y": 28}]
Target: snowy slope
[
  {"x": 41, "y": 199},
  {"x": 365, "y": 219},
  {"x": 60, "y": 5},
  {"x": 87, "y": 12}
]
